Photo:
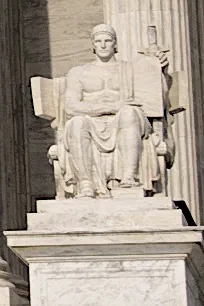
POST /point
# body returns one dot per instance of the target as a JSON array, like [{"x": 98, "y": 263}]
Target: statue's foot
[
  {"x": 86, "y": 193},
  {"x": 128, "y": 183},
  {"x": 86, "y": 190}
]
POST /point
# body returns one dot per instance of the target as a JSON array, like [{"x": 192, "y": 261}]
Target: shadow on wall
[
  {"x": 38, "y": 63},
  {"x": 56, "y": 38}
]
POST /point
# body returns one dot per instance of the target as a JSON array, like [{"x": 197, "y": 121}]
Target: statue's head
[{"x": 104, "y": 41}]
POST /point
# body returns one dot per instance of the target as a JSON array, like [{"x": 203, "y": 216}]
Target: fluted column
[
  {"x": 130, "y": 19},
  {"x": 14, "y": 178},
  {"x": 196, "y": 22}
]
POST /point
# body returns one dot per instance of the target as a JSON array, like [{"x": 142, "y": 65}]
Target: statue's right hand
[{"x": 110, "y": 109}]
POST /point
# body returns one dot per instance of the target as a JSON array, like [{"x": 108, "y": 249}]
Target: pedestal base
[
  {"x": 104, "y": 214},
  {"x": 106, "y": 253},
  {"x": 114, "y": 281},
  {"x": 143, "y": 268}
]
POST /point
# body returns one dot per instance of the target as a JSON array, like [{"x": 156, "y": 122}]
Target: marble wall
[{"x": 56, "y": 38}]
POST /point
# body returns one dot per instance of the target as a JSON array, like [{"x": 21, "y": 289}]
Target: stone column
[
  {"x": 130, "y": 19},
  {"x": 13, "y": 290},
  {"x": 14, "y": 189},
  {"x": 196, "y": 21}
]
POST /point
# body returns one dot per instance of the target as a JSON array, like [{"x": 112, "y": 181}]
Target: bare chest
[{"x": 97, "y": 79}]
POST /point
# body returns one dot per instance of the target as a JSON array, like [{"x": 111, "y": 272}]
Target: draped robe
[{"x": 103, "y": 130}]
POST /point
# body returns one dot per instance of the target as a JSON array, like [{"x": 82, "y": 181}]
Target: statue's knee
[
  {"x": 77, "y": 122},
  {"x": 127, "y": 116},
  {"x": 76, "y": 125}
]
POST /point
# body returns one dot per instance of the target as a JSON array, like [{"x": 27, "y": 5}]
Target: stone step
[
  {"x": 95, "y": 220},
  {"x": 103, "y": 205},
  {"x": 135, "y": 192}
]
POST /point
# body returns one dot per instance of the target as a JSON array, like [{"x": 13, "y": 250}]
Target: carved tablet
[
  {"x": 148, "y": 85},
  {"x": 42, "y": 93}
]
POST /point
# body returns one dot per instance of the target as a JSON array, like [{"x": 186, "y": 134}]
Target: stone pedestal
[{"x": 111, "y": 252}]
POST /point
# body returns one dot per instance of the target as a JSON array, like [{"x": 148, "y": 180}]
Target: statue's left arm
[{"x": 168, "y": 118}]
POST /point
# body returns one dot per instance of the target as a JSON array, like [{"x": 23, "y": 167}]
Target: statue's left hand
[{"x": 162, "y": 58}]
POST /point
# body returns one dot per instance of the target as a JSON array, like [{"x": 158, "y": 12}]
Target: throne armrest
[
  {"x": 48, "y": 99},
  {"x": 43, "y": 100},
  {"x": 52, "y": 154}
]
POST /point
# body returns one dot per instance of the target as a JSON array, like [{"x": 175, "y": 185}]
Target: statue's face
[{"x": 104, "y": 45}]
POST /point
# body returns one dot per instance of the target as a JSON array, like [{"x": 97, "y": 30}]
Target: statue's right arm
[{"x": 74, "y": 105}]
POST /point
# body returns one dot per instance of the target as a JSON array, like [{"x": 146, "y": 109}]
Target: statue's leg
[
  {"x": 79, "y": 142},
  {"x": 129, "y": 144}
]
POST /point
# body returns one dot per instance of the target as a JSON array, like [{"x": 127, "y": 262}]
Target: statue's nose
[{"x": 103, "y": 45}]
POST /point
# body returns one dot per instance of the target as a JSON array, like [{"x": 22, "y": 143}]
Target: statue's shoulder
[{"x": 77, "y": 71}]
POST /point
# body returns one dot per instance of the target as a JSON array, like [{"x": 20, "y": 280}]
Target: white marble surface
[
  {"x": 143, "y": 267},
  {"x": 99, "y": 215},
  {"x": 5, "y": 294},
  {"x": 109, "y": 282},
  {"x": 117, "y": 204},
  {"x": 102, "y": 220},
  {"x": 33, "y": 246}
]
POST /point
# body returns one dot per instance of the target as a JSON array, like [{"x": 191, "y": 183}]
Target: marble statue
[{"x": 107, "y": 135}]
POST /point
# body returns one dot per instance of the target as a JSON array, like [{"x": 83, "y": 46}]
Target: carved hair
[{"x": 104, "y": 28}]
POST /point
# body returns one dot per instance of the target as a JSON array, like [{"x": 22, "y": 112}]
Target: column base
[{"x": 13, "y": 290}]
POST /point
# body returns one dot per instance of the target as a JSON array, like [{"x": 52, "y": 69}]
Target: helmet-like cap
[{"x": 103, "y": 28}]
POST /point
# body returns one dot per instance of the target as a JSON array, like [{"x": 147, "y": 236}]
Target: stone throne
[
  {"x": 48, "y": 104},
  {"x": 151, "y": 85}
]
